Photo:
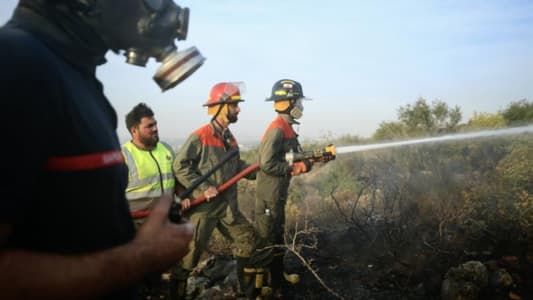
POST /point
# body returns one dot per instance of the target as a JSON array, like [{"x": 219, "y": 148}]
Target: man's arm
[
  {"x": 269, "y": 162},
  {"x": 33, "y": 275}
]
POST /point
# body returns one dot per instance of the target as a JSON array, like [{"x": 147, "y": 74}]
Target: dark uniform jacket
[
  {"x": 204, "y": 149},
  {"x": 64, "y": 175},
  {"x": 274, "y": 177}
]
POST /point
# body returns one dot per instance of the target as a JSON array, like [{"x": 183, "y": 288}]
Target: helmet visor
[{"x": 235, "y": 91}]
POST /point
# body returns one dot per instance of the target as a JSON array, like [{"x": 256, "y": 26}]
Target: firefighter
[
  {"x": 150, "y": 176},
  {"x": 204, "y": 148},
  {"x": 275, "y": 174},
  {"x": 65, "y": 228}
]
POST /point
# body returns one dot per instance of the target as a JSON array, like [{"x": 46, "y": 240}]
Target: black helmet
[{"x": 286, "y": 89}]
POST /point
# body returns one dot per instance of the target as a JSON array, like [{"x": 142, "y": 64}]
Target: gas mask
[
  {"x": 148, "y": 28},
  {"x": 297, "y": 109},
  {"x": 166, "y": 21}
]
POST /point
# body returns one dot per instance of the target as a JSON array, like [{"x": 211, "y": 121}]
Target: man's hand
[
  {"x": 185, "y": 204},
  {"x": 160, "y": 242},
  {"x": 300, "y": 167},
  {"x": 211, "y": 192}
]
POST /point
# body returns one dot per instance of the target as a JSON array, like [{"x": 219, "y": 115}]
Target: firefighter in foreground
[
  {"x": 204, "y": 148},
  {"x": 275, "y": 175},
  {"x": 65, "y": 227},
  {"x": 150, "y": 176}
]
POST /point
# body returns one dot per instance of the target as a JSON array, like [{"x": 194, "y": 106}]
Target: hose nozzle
[{"x": 323, "y": 155}]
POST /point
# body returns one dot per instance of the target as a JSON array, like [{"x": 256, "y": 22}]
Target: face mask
[
  {"x": 297, "y": 109},
  {"x": 148, "y": 28}
]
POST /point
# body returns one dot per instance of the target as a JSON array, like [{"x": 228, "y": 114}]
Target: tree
[
  {"x": 421, "y": 119},
  {"x": 519, "y": 112},
  {"x": 417, "y": 117},
  {"x": 445, "y": 117}
]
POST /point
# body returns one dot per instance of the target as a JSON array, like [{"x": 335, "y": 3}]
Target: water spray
[{"x": 438, "y": 139}]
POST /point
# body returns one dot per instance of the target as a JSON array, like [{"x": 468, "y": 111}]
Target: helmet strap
[
  {"x": 218, "y": 111},
  {"x": 222, "y": 101}
]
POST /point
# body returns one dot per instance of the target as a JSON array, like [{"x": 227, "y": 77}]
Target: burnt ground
[
  {"x": 355, "y": 268},
  {"x": 348, "y": 266},
  {"x": 352, "y": 268}
]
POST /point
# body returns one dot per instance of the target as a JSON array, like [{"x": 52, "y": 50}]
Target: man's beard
[
  {"x": 232, "y": 118},
  {"x": 150, "y": 141}
]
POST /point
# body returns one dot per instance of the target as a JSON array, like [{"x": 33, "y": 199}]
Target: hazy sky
[{"x": 358, "y": 60}]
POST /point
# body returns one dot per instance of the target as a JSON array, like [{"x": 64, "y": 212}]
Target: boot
[
  {"x": 245, "y": 275},
  {"x": 281, "y": 280},
  {"x": 262, "y": 289},
  {"x": 178, "y": 284},
  {"x": 292, "y": 278},
  {"x": 276, "y": 272}
]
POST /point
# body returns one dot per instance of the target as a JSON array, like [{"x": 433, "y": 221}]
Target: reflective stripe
[
  {"x": 132, "y": 168},
  {"x": 147, "y": 194},
  {"x": 84, "y": 162}
]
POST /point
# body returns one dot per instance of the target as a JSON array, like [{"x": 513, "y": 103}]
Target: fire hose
[
  {"x": 251, "y": 168},
  {"x": 323, "y": 155},
  {"x": 174, "y": 212}
]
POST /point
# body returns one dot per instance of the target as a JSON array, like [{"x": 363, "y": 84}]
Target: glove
[{"x": 300, "y": 167}]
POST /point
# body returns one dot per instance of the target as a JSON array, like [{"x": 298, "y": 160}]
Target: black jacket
[{"x": 63, "y": 180}]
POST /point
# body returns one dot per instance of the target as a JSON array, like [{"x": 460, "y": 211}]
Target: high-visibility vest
[{"x": 150, "y": 172}]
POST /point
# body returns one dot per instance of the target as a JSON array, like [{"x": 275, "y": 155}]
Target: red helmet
[{"x": 225, "y": 92}]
